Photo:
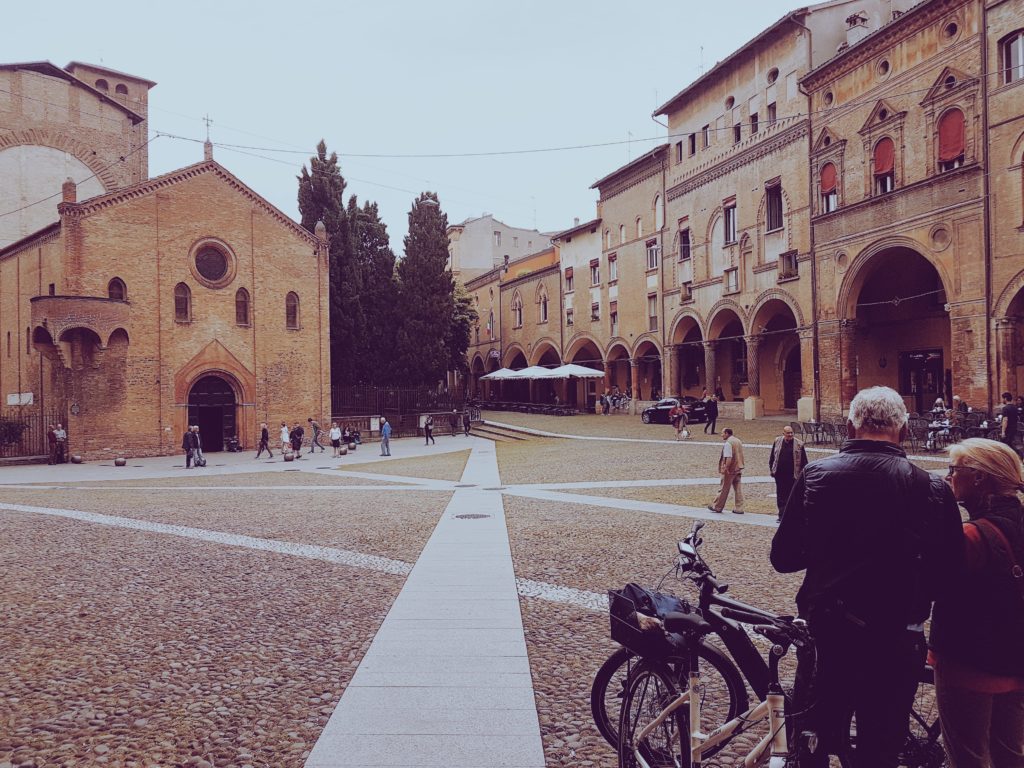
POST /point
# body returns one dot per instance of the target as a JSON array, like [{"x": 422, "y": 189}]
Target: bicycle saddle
[{"x": 686, "y": 624}]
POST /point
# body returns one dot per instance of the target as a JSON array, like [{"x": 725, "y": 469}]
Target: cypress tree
[
  {"x": 376, "y": 263},
  {"x": 321, "y": 189},
  {"x": 425, "y": 296}
]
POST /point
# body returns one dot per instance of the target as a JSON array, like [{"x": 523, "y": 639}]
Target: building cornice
[
  {"x": 884, "y": 37},
  {"x": 40, "y": 236},
  {"x": 759, "y": 150}
]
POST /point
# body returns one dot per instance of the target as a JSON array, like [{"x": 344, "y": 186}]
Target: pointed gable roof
[
  {"x": 144, "y": 188},
  {"x": 827, "y": 139},
  {"x": 941, "y": 87},
  {"x": 881, "y": 114}
]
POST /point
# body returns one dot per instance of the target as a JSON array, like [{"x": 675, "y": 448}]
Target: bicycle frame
[{"x": 773, "y": 708}]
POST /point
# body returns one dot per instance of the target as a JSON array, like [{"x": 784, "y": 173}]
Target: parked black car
[{"x": 658, "y": 413}]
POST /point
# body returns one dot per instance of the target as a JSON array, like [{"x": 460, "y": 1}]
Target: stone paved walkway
[{"x": 446, "y": 681}]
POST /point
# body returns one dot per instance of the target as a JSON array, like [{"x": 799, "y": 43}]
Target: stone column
[
  {"x": 634, "y": 378},
  {"x": 847, "y": 362},
  {"x": 1006, "y": 337},
  {"x": 709, "y": 366},
  {"x": 805, "y": 405},
  {"x": 669, "y": 385},
  {"x": 753, "y": 405}
]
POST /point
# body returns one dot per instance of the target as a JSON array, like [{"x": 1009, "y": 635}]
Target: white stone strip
[
  {"x": 676, "y": 510},
  {"x": 543, "y": 433},
  {"x": 420, "y": 481},
  {"x": 688, "y": 481},
  {"x": 553, "y": 593},
  {"x": 176, "y": 489},
  {"x": 446, "y": 681},
  {"x": 310, "y": 551}
]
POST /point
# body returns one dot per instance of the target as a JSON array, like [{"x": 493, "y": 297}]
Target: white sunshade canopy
[
  {"x": 535, "y": 372},
  {"x": 579, "y": 371},
  {"x": 501, "y": 373}
]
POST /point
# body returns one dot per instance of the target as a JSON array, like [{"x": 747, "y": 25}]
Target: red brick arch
[
  {"x": 59, "y": 140},
  {"x": 216, "y": 360}
]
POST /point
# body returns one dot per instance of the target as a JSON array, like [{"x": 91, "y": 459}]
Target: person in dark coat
[
  {"x": 711, "y": 409},
  {"x": 879, "y": 540},
  {"x": 264, "y": 441},
  {"x": 296, "y": 437},
  {"x": 189, "y": 443},
  {"x": 51, "y": 441},
  {"x": 467, "y": 422},
  {"x": 786, "y": 461}
]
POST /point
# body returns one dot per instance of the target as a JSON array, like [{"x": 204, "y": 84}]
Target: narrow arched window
[
  {"x": 242, "y": 307},
  {"x": 121, "y": 89},
  {"x": 622, "y": 233},
  {"x": 885, "y": 166},
  {"x": 659, "y": 214},
  {"x": 639, "y": 227},
  {"x": 829, "y": 186},
  {"x": 951, "y": 140},
  {"x": 102, "y": 85},
  {"x": 517, "y": 310},
  {"x": 291, "y": 311},
  {"x": 116, "y": 289},
  {"x": 182, "y": 303}
]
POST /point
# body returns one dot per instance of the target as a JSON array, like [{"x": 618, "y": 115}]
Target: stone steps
[{"x": 497, "y": 434}]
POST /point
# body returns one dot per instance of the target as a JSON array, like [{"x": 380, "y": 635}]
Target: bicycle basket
[{"x": 623, "y": 605}]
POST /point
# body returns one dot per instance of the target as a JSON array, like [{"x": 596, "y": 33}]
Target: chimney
[
  {"x": 207, "y": 150},
  {"x": 320, "y": 230},
  {"x": 69, "y": 191},
  {"x": 856, "y": 28},
  {"x": 575, "y": 221}
]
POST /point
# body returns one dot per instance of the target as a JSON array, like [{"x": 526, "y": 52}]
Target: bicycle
[
  {"x": 744, "y": 666},
  {"x": 654, "y": 729}
]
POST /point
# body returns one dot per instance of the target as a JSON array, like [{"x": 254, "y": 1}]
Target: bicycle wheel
[
  {"x": 923, "y": 746},
  {"x": 724, "y": 694},
  {"x": 649, "y": 689}
]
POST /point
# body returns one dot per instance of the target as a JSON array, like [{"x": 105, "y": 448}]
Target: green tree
[
  {"x": 376, "y": 262},
  {"x": 321, "y": 189},
  {"x": 464, "y": 318},
  {"x": 425, "y": 296}
]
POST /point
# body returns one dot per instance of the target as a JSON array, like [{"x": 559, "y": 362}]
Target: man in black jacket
[
  {"x": 189, "y": 443},
  {"x": 711, "y": 411},
  {"x": 264, "y": 441},
  {"x": 879, "y": 540}
]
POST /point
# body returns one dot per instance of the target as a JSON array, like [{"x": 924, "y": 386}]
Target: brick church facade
[{"x": 159, "y": 302}]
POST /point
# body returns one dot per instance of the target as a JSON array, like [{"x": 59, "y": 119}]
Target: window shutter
[
  {"x": 828, "y": 179},
  {"x": 951, "y": 136},
  {"x": 613, "y": 306},
  {"x": 885, "y": 157},
  {"x": 568, "y": 273}
]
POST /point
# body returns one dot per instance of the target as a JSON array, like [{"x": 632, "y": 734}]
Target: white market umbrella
[
  {"x": 535, "y": 372},
  {"x": 499, "y": 375},
  {"x": 579, "y": 371}
]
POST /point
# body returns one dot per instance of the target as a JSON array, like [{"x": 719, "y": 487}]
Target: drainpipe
[
  {"x": 815, "y": 351},
  {"x": 986, "y": 236}
]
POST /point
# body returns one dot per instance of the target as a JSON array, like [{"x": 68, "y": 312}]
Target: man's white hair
[{"x": 878, "y": 409}]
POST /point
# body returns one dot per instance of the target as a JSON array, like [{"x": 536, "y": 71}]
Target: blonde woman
[{"x": 977, "y": 635}]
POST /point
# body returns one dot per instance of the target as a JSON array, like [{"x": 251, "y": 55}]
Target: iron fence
[
  {"x": 391, "y": 401},
  {"x": 23, "y": 431}
]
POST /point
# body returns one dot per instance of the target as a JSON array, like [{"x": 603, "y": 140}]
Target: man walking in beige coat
[{"x": 730, "y": 467}]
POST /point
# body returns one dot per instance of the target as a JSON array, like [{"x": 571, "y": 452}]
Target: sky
[{"x": 394, "y": 78}]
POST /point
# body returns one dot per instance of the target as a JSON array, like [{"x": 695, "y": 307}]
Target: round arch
[
  {"x": 213, "y": 400},
  {"x": 647, "y": 360},
  {"x": 766, "y": 299},
  {"x": 897, "y": 331},
  {"x": 542, "y": 348},
  {"x": 512, "y": 351},
  {"x": 578, "y": 342},
  {"x": 685, "y": 320},
  {"x": 719, "y": 317},
  {"x": 1008, "y": 294},
  {"x": 861, "y": 269}
]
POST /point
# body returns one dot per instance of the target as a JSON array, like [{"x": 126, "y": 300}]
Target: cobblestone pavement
[
  {"x": 757, "y": 497},
  {"x": 215, "y": 620}
]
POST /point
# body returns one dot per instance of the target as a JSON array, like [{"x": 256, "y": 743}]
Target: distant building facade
[
  {"x": 181, "y": 299},
  {"x": 839, "y": 204},
  {"x": 478, "y": 245}
]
